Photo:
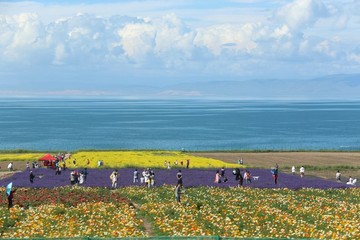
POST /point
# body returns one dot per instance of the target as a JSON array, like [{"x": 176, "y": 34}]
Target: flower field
[
  {"x": 20, "y": 156},
  {"x": 294, "y": 208},
  {"x": 123, "y": 159},
  {"x": 69, "y": 212},
  {"x": 151, "y": 159},
  {"x": 203, "y": 211},
  {"x": 46, "y": 178}
]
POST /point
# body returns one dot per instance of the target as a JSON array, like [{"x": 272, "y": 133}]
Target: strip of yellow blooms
[
  {"x": 152, "y": 159},
  {"x": 20, "y": 156},
  {"x": 123, "y": 159}
]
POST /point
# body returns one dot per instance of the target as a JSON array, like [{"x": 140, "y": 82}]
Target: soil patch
[{"x": 327, "y": 162}]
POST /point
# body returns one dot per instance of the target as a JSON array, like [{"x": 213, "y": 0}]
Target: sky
[{"x": 95, "y": 48}]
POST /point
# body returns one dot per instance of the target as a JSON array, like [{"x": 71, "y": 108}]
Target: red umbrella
[{"x": 48, "y": 157}]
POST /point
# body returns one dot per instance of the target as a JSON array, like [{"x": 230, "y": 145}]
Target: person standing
[
  {"x": 57, "y": 170},
  {"x": 222, "y": 172},
  {"x": 31, "y": 177},
  {"x": 179, "y": 178},
  {"x": 72, "y": 177},
  {"x": 114, "y": 178},
  {"x": 275, "y": 172},
  {"x": 302, "y": 171},
  {"x": 187, "y": 163},
  {"x": 177, "y": 192},
  {"x": 81, "y": 178},
  {"x": 238, "y": 176},
  {"x": 10, "y": 198},
  {"x": 247, "y": 176},
  {"x": 151, "y": 178},
  {"x": 217, "y": 177},
  {"x": 136, "y": 176},
  {"x": 338, "y": 176},
  {"x": 11, "y": 166},
  {"x": 293, "y": 170},
  {"x": 85, "y": 173},
  {"x": 147, "y": 177}
]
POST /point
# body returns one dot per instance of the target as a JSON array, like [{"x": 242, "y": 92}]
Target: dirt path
[
  {"x": 147, "y": 225},
  {"x": 5, "y": 174},
  {"x": 327, "y": 162}
]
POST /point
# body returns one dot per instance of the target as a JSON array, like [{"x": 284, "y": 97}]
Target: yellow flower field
[
  {"x": 123, "y": 159},
  {"x": 20, "y": 156},
  {"x": 152, "y": 159},
  {"x": 87, "y": 219},
  {"x": 203, "y": 211}
]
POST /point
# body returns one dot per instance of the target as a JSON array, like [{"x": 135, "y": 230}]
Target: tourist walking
[
  {"x": 275, "y": 172},
  {"x": 238, "y": 176},
  {"x": 338, "y": 176},
  {"x": 247, "y": 176},
  {"x": 114, "y": 179},
  {"x": 293, "y": 170},
  {"x": 11, "y": 166},
  {"x": 136, "y": 176},
  {"x": 142, "y": 178},
  {"x": 151, "y": 178},
  {"x": 217, "y": 177},
  {"x": 31, "y": 177},
  {"x": 177, "y": 192},
  {"x": 179, "y": 178},
  {"x": 72, "y": 177},
  {"x": 81, "y": 178},
  {"x": 58, "y": 170},
  {"x": 147, "y": 177},
  {"x": 302, "y": 171},
  {"x": 10, "y": 197},
  {"x": 85, "y": 173}
]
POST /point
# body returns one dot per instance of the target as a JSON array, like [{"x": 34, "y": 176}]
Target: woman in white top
[
  {"x": 350, "y": 180},
  {"x": 293, "y": 170},
  {"x": 338, "y": 176},
  {"x": 114, "y": 178},
  {"x": 302, "y": 171}
]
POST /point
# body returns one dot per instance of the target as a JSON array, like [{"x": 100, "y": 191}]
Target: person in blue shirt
[{"x": 275, "y": 173}]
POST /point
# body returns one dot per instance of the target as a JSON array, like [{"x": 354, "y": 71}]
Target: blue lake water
[{"x": 52, "y": 124}]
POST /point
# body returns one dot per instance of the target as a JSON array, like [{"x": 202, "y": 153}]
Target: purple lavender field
[{"x": 46, "y": 178}]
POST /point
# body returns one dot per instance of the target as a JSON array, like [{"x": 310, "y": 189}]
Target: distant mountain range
[
  {"x": 332, "y": 87},
  {"x": 329, "y": 87}
]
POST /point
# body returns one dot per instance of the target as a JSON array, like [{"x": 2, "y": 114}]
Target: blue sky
[{"x": 97, "y": 47}]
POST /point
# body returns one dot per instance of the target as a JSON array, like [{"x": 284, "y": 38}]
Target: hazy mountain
[{"x": 329, "y": 87}]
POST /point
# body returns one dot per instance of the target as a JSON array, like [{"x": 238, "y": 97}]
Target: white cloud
[
  {"x": 168, "y": 42},
  {"x": 137, "y": 40},
  {"x": 60, "y": 54},
  {"x": 230, "y": 40},
  {"x": 302, "y": 13},
  {"x": 354, "y": 57}
]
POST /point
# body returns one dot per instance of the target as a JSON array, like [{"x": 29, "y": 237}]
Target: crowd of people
[
  {"x": 147, "y": 176},
  {"x": 182, "y": 163}
]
